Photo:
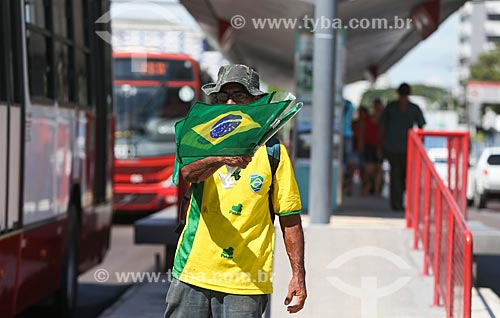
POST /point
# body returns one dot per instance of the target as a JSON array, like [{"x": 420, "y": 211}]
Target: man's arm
[
  {"x": 293, "y": 235},
  {"x": 420, "y": 118},
  {"x": 202, "y": 169}
]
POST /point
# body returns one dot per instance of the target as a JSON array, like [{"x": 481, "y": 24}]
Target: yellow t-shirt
[{"x": 228, "y": 241}]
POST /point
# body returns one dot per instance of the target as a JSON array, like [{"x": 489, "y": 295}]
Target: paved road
[
  {"x": 487, "y": 265},
  {"x": 124, "y": 256},
  {"x": 489, "y": 216}
]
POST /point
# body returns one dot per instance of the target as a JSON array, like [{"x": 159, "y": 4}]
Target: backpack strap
[
  {"x": 273, "y": 154},
  {"x": 183, "y": 211}
]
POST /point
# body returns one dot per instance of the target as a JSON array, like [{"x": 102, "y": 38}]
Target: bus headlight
[{"x": 186, "y": 94}]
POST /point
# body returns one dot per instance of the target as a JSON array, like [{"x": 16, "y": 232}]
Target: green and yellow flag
[
  {"x": 224, "y": 126},
  {"x": 228, "y": 130},
  {"x": 224, "y": 130}
]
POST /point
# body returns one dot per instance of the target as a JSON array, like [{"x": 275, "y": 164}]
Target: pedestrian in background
[
  {"x": 367, "y": 147},
  {"x": 349, "y": 158},
  {"x": 397, "y": 118},
  {"x": 378, "y": 108}
]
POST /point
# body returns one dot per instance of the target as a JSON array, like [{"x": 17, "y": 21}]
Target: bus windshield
[{"x": 145, "y": 118}]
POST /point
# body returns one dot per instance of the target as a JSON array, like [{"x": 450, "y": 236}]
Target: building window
[
  {"x": 494, "y": 39},
  {"x": 494, "y": 17},
  {"x": 464, "y": 60}
]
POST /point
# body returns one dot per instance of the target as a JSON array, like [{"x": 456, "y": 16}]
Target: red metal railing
[{"x": 436, "y": 213}]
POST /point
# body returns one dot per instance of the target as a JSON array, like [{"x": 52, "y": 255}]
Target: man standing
[
  {"x": 397, "y": 118},
  {"x": 223, "y": 262}
]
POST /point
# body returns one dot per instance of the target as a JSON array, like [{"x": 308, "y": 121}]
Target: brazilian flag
[
  {"x": 228, "y": 130},
  {"x": 223, "y": 127},
  {"x": 225, "y": 130}
]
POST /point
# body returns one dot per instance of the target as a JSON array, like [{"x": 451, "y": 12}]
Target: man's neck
[{"x": 403, "y": 102}]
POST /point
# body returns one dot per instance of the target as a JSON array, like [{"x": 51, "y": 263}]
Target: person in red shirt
[{"x": 368, "y": 146}]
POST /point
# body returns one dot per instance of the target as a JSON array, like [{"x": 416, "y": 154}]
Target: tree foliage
[
  {"x": 488, "y": 67},
  {"x": 434, "y": 94}
]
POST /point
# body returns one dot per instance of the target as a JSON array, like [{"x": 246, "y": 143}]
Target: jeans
[{"x": 188, "y": 301}]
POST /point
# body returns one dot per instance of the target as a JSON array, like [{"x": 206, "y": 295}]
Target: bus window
[
  {"x": 79, "y": 18},
  {"x": 3, "y": 68},
  {"x": 59, "y": 17},
  {"x": 35, "y": 13},
  {"x": 39, "y": 66},
  {"x": 63, "y": 78},
  {"x": 39, "y": 44},
  {"x": 81, "y": 70},
  {"x": 81, "y": 94},
  {"x": 146, "y": 122}
]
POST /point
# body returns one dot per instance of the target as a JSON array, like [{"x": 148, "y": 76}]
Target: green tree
[
  {"x": 488, "y": 67},
  {"x": 434, "y": 94}
]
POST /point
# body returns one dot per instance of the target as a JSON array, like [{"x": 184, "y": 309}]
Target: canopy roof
[{"x": 370, "y": 52}]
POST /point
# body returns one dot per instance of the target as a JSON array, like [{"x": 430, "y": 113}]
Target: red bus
[
  {"x": 56, "y": 129},
  {"x": 152, "y": 92}
]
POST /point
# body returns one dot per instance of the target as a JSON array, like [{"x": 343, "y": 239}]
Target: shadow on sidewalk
[{"x": 367, "y": 206}]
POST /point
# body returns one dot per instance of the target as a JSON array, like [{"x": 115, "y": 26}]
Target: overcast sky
[{"x": 433, "y": 61}]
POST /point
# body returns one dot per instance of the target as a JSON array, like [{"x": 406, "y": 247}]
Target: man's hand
[
  {"x": 202, "y": 169},
  {"x": 297, "y": 289},
  {"x": 293, "y": 235},
  {"x": 239, "y": 161}
]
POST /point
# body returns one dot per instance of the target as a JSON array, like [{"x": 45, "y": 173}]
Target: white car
[{"x": 487, "y": 177}]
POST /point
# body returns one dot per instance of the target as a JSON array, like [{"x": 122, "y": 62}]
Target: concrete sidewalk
[
  {"x": 363, "y": 246},
  {"x": 358, "y": 267}
]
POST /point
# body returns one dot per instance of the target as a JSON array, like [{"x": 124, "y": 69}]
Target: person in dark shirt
[{"x": 397, "y": 118}]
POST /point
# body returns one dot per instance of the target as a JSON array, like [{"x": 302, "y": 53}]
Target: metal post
[
  {"x": 438, "y": 264},
  {"x": 416, "y": 199},
  {"x": 468, "y": 275},
  {"x": 427, "y": 216},
  {"x": 324, "y": 67},
  {"x": 410, "y": 180},
  {"x": 449, "y": 263},
  {"x": 465, "y": 173}
]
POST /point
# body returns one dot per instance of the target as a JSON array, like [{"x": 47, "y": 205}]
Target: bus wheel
[{"x": 67, "y": 294}]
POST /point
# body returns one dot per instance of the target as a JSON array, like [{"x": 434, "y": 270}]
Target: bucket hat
[{"x": 235, "y": 73}]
